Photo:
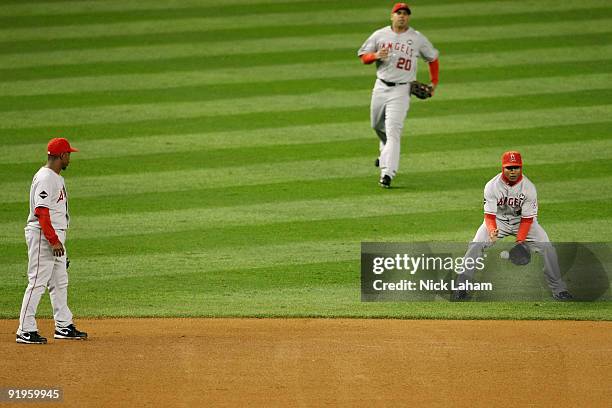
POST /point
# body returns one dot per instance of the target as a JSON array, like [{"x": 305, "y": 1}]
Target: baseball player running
[
  {"x": 45, "y": 235},
  {"x": 511, "y": 208},
  {"x": 395, "y": 50}
]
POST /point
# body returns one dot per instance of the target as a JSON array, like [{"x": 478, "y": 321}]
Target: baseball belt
[{"x": 392, "y": 83}]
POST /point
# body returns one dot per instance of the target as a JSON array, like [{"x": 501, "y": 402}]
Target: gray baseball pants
[
  {"x": 537, "y": 240},
  {"x": 45, "y": 271},
  {"x": 388, "y": 110}
]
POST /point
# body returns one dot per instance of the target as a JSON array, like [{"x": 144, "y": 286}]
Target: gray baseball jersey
[
  {"x": 510, "y": 203},
  {"x": 48, "y": 190},
  {"x": 404, "y": 49}
]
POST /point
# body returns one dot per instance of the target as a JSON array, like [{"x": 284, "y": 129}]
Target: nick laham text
[{"x": 431, "y": 285}]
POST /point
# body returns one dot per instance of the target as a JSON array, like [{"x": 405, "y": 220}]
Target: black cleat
[
  {"x": 377, "y": 162},
  {"x": 70, "y": 333},
  {"x": 563, "y": 296},
  {"x": 385, "y": 181},
  {"x": 459, "y": 295},
  {"x": 31, "y": 338}
]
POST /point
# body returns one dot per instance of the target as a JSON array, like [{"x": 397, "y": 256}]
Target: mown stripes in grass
[
  {"x": 106, "y": 203},
  {"x": 371, "y": 228},
  {"x": 505, "y": 38},
  {"x": 285, "y": 26},
  {"x": 297, "y": 104},
  {"x": 226, "y": 163},
  {"x": 559, "y": 62},
  {"x": 558, "y": 130},
  {"x": 534, "y": 80},
  {"x": 134, "y": 179},
  {"x": 228, "y": 158},
  {"x": 405, "y": 203}
]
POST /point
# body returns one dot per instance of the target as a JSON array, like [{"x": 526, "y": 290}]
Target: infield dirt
[{"x": 317, "y": 362}]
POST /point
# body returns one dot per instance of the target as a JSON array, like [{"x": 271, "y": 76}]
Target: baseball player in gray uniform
[
  {"x": 511, "y": 208},
  {"x": 45, "y": 235},
  {"x": 395, "y": 50}
]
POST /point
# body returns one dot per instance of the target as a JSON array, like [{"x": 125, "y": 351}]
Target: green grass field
[{"x": 226, "y": 163}]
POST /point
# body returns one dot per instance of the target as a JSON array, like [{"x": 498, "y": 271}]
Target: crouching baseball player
[
  {"x": 45, "y": 235},
  {"x": 511, "y": 208}
]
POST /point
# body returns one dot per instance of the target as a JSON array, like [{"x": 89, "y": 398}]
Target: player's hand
[
  {"x": 433, "y": 88},
  {"x": 58, "y": 249},
  {"x": 493, "y": 235},
  {"x": 382, "y": 54}
]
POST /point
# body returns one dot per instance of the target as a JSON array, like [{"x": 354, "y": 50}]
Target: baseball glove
[
  {"x": 520, "y": 254},
  {"x": 421, "y": 90}
]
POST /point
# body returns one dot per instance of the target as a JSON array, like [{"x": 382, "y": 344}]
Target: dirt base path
[{"x": 316, "y": 362}]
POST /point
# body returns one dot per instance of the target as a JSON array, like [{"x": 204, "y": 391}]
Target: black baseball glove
[
  {"x": 520, "y": 254},
  {"x": 421, "y": 90}
]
